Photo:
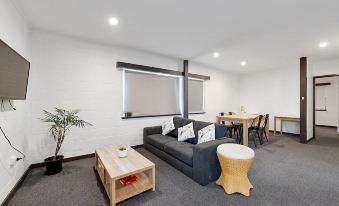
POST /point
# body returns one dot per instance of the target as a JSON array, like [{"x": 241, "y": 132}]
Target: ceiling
[{"x": 267, "y": 34}]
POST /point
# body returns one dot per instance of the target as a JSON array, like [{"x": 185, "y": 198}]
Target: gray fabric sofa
[{"x": 197, "y": 161}]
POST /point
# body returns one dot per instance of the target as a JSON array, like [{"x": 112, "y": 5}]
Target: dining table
[{"x": 244, "y": 119}]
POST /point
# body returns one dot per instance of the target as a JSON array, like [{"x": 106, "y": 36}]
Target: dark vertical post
[
  {"x": 303, "y": 100},
  {"x": 314, "y": 107},
  {"x": 185, "y": 89}
]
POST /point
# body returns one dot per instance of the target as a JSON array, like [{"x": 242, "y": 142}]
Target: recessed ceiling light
[
  {"x": 323, "y": 44},
  {"x": 216, "y": 54},
  {"x": 243, "y": 63},
  {"x": 113, "y": 21}
]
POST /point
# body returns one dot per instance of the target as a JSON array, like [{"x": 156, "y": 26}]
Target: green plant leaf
[{"x": 61, "y": 121}]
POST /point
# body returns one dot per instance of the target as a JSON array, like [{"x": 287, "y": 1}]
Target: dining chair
[
  {"x": 253, "y": 131},
  {"x": 228, "y": 127},
  {"x": 236, "y": 127},
  {"x": 262, "y": 129}
]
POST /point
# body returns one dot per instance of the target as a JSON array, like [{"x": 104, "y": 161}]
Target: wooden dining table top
[{"x": 239, "y": 116}]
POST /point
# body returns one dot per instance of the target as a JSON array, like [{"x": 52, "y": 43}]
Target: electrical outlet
[{"x": 12, "y": 161}]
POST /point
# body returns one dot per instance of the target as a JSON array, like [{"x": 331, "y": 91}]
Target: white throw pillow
[
  {"x": 206, "y": 134},
  {"x": 167, "y": 126},
  {"x": 186, "y": 132}
]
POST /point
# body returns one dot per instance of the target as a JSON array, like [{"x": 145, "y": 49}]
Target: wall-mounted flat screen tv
[{"x": 14, "y": 71}]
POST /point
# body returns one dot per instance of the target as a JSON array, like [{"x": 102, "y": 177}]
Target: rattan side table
[{"x": 235, "y": 161}]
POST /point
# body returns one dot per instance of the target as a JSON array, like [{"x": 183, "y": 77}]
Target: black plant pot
[{"x": 53, "y": 166}]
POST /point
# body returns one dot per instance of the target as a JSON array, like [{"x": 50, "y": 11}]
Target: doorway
[{"x": 326, "y": 109}]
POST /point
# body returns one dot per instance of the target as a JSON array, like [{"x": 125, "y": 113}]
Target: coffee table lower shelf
[
  {"x": 118, "y": 192},
  {"x": 124, "y": 192}
]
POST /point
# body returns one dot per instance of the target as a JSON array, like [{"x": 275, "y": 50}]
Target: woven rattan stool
[{"x": 235, "y": 161}]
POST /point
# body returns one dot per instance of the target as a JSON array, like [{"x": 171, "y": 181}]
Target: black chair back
[
  {"x": 222, "y": 114},
  {"x": 266, "y": 120},
  {"x": 259, "y": 120}
]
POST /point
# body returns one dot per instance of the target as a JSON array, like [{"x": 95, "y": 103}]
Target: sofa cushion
[
  {"x": 179, "y": 122},
  {"x": 183, "y": 151},
  {"x": 186, "y": 132},
  {"x": 206, "y": 134},
  {"x": 167, "y": 126},
  {"x": 220, "y": 130},
  {"x": 159, "y": 141},
  {"x": 197, "y": 125}
]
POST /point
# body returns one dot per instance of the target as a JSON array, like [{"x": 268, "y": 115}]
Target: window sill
[
  {"x": 145, "y": 116},
  {"x": 197, "y": 113}
]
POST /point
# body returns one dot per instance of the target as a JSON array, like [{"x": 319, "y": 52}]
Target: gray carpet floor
[{"x": 284, "y": 172}]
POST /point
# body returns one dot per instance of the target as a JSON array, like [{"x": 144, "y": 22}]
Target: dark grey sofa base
[
  {"x": 197, "y": 161},
  {"x": 184, "y": 168},
  {"x": 209, "y": 164}
]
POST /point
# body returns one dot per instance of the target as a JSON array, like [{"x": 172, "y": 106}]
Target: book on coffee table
[{"x": 128, "y": 180}]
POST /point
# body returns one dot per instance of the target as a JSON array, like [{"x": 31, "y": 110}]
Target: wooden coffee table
[{"x": 111, "y": 169}]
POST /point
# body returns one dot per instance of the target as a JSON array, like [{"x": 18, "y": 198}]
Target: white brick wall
[
  {"x": 74, "y": 74},
  {"x": 15, "y": 32}
]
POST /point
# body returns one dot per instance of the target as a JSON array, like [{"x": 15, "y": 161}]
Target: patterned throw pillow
[
  {"x": 206, "y": 134},
  {"x": 186, "y": 132},
  {"x": 167, "y": 126}
]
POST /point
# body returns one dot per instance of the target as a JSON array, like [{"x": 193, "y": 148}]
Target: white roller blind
[
  {"x": 151, "y": 94},
  {"x": 195, "y": 96}
]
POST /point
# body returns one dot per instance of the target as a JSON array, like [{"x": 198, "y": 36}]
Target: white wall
[
  {"x": 327, "y": 97},
  {"x": 309, "y": 119},
  {"x": 221, "y": 92},
  {"x": 74, "y": 74},
  {"x": 325, "y": 67},
  {"x": 275, "y": 92},
  {"x": 15, "y": 32}
]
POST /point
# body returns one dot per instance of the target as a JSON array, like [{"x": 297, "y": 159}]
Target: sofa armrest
[
  {"x": 151, "y": 130},
  {"x": 206, "y": 167}
]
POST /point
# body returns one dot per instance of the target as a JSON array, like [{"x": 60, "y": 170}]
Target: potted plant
[{"x": 61, "y": 122}]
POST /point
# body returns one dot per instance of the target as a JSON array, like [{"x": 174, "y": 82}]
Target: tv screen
[{"x": 14, "y": 70}]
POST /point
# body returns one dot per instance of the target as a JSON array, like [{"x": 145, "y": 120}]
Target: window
[
  {"x": 151, "y": 94},
  {"x": 195, "y": 95}
]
